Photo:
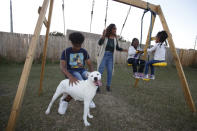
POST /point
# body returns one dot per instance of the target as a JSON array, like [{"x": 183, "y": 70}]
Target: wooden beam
[
  {"x": 45, "y": 46},
  {"x": 153, "y": 38},
  {"x": 179, "y": 67},
  {"x": 26, "y": 70},
  {"x": 45, "y": 20},
  {"x": 147, "y": 44},
  {"x": 139, "y": 4}
]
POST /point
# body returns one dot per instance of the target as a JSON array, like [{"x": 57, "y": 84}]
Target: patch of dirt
[
  {"x": 111, "y": 105},
  {"x": 6, "y": 91}
]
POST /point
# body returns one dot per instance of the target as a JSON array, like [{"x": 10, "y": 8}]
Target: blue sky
[{"x": 180, "y": 16}]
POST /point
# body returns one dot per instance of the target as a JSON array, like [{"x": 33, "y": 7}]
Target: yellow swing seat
[
  {"x": 163, "y": 64},
  {"x": 146, "y": 79},
  {"x": 156, "y": 64}
]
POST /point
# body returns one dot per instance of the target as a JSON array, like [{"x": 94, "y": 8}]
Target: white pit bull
[{"x": 85, "y": 91}]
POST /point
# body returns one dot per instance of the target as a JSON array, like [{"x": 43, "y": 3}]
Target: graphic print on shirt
[{"x": 76, "y": 60}]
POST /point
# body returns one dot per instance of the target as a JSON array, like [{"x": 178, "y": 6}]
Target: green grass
[{"x": 154, "y": 105}]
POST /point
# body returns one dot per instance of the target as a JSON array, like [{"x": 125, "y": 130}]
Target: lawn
[{"x": 154, "y": 105}]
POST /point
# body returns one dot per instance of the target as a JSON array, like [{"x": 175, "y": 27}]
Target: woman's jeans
[
  {"x": 107, "y": 62},
  {"x": 135, "y": 63},
  {"x": 150, "y": 63}
]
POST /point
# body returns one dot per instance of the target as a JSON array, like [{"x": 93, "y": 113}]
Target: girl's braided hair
[{"x": 162, "y": 35}]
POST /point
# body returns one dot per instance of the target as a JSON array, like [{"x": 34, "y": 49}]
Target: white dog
[{"x": 85, "y": 91}]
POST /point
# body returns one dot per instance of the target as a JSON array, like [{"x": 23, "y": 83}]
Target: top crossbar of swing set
[{"x": 139, "y": 4}]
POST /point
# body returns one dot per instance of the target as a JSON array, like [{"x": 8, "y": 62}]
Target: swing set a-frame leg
[
  {"x": 179, "y": 67},
  {"x": 45, "y": 46},
  {"x": 26, "y": 70}
]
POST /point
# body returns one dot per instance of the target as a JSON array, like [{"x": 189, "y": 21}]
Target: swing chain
[
  {"x": 92, "y": 11},
  {"x": 106, "y": 13}
]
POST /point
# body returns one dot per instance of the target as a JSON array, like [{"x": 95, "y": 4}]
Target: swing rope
[
  {"x": 92, "y": 14},
  {"x": 125, "y": 21}
]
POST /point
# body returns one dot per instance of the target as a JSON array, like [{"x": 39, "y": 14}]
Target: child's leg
[
  {"x": 134, "y": 64},
  {"x": 147, "y": 66},
  {"x": 77, "y": 75},
  {"x": 84, "y": 74},
  {"x": 152, "y": 67},
  {"x": 141, "y": 68}
]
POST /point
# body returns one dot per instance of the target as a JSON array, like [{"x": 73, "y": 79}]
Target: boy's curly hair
[{"x": 76, "y": 38}]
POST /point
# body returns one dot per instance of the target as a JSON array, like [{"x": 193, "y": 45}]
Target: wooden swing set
[{"x": 32, "y": 47}]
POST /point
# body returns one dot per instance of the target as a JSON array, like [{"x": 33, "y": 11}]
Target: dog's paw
[
  {"x": 90, "y": 116},
  {"x": 87, "y": 123},
  {"x": 47, "y": 112}
]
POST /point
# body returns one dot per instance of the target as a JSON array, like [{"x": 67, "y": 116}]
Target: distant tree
[{"x": 55, "y": 33}]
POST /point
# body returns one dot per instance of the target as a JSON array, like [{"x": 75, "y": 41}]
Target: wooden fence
[
  {"x": 14, "y": 47},
  {"x": 188, "y": 57}
]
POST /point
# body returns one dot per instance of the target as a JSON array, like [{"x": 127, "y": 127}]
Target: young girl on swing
[
  {"x": 159, "y": 53},
  {"x": 134, "y": 58}
]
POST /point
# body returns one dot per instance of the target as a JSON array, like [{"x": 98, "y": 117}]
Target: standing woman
[{"x": 106, "y": 57}]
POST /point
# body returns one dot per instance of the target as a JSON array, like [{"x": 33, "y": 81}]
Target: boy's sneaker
[
  {"x": 63, "y": 105},
  {"x": 92, "y": 105},
  {"x": 152, "y": 77}
]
